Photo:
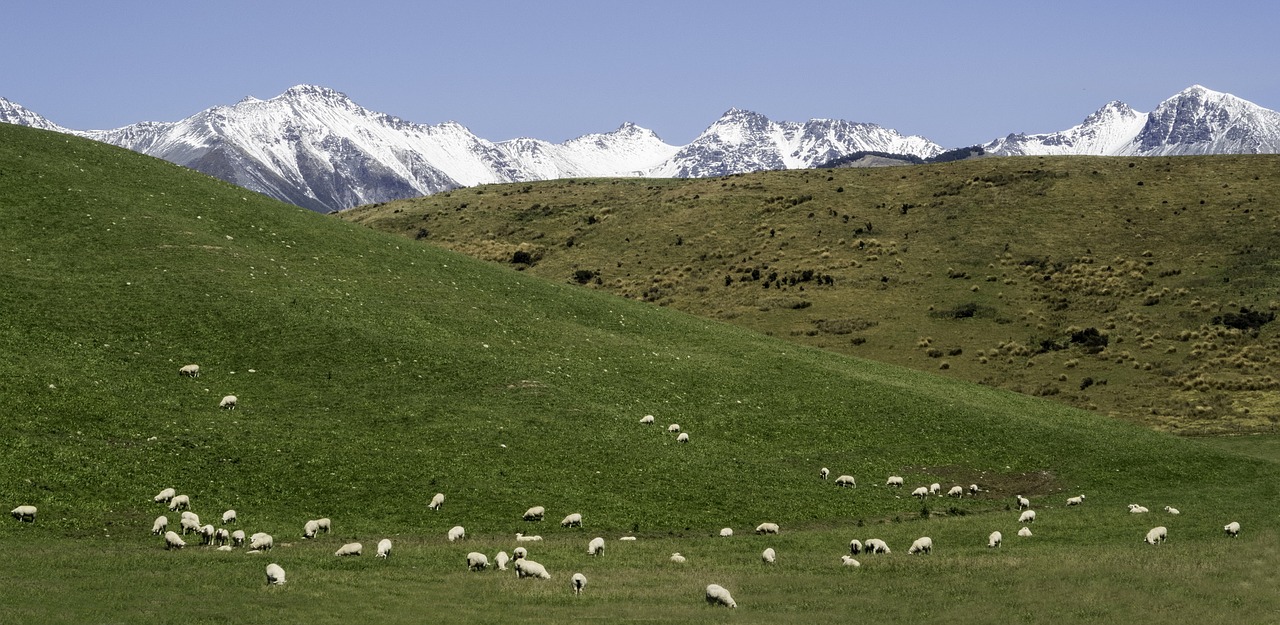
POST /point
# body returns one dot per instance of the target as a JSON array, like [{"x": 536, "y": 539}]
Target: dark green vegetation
[
  {"x": 984, "y": 270},
  {"x": 373, "y": 372}
]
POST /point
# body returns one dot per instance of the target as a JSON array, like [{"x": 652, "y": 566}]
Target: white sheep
[
  {"x": 824, "y": 472},
  {"x": 229, "y": 517},
  {"x": 846, "y": 481},
  {"x": 237, "y": 538},
  {"x": 875, "y": 545},
  {"x": 769, "y": 556},
  {"x": 1157, "y": 535},
  {"x": 261, "y": 541},
  {"x": 849, "y": 561},
  {"x": 973, "y": 489},
  {"x": 1025, "y": 532},
  {"x": 173, "y": 541},
  {"x": 191, "y": 371},
  {"x": 1171, "y": 510},
  {"x": 573, "y": 520},
  {"x": 674, "y": 428},
  {"x": 350, "y": 549},
  {"x": 187, "y": 514},
  {"x": 221, "y": 537},
  {"x": 924, "y": 545},
  {"x": 995, "y": 539},
  {"x": 457, "y": 533},
  {"x": 477, "y": 561},
  {"x": 579, "y": 582},
  {"x": 647, "y": 419},
  {"x": 189, "y": 525},
  {"x": 519, "y": 553},
  {"x": 1023, "y": 502},
  {"x": 855, "y": 547},
  {"x": 683, "y": 438},
  {"x": 535, "y": 513},
  {"x": 325, "y": 524},
  {"x": 1027, "y": 516},
  {"x": 1075, "y": 501},
  {"x": 309, "y": 530},
  {"x": 436, "y": 501},
  {"x": 677, "y": 558},
  {"x": 165, "y": 496},
  {"x": 226, "y": 548},
  {"x": 767, "y": 528},
  {"x": 228, "y": 402},
  {"x": 956, "y": 491},
  {"x": 894, "y": 480},
  {"x": 726, "y": 532},
  {"x": 627, "y": 538},
  {"x": 384, "y": 548},
  {"x": 528, "y": 568},
  {"x": 596, "y": 546},
  {"x": 1232, "y": 529},
  {"x": 521, "y": 538},
  {"x": 717, "y": 595},
  {"x": 502, "y": 559},
  {"x": 935, "y": 488},
  {"x": 921, "y": 492},
  {"x": 160, "y": 525},
  {"x": 1137, "y": 509},
  {"x": 275, "y": 575},
  {"x": 180, "y": 502}
]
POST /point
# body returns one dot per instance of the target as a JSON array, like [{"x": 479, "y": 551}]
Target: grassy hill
[
  {"x": 373, "y": 372},
  {"x": 1010, "y": 272}
]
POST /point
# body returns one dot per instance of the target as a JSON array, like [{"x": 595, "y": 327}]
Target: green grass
[{"x": 373, "y": 372}]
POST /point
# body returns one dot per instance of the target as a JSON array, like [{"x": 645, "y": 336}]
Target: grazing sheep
[
  {"x": 1075, "y": 501},
  {"x": 935, "y": 488},
  {"x": 875, "y": 545},
  {"x": 1171, "y": 510},
  {"x": 955, "y": 491},
  {"x": 849, "y": 561},
  {"x": 261, "y": 541},
  {"x": 573, "y": 520},
  {"x": 1027, "y": 516},
  {"x": 596, "y": 546},
  {"x": 535, "y": 513},
  {"x": 1137, "y": 509},
  {"x": 921, "y": 492},
  {"x": 726, "y": 532},
  {"x": 309, "y": 530},
  {"x": 683, "y": 438},
  {"x": 237, "y": 538},
  {"x": 521, "y": 538},
  {"x": 717, "y": 595},
  {"x": 436, "y": 501},
  {"x": 1023, "y": 502},
  {"x": 165, "y": 496},
  {"x": 1025, "y": 532},
  {"x": 180, "y": 502},
  {"x": 221, "y": 537},
  {"x": 647, "y": 419},
  {"x": 673, "y": 428},
  {"x": 384, "y": 548},
  {"x": 189, "y": 525},
  {"x": 1157, "y": 535},
  {"x": 458, "y": 533},
  {"x": 677, "y": 558},
  {"x": 846, "y": 481},
  {"x": 973, "y": 489},
  {"x": 161, "y": 524},
  {"x": 528, "y": 568},
  {"x": 769, "y": 556},
  {"x": 1232, "y": 529},
  {"x": 275, "y": 575},
  {"x": 924, "y": 545},
  {"x": 824, "y": 472},
  {"x": 519, "y": 553},
  {"x": 855, "y": 547},
  {"x": 229, "y": 517},
  {"x": 228, "y": 402},
  {"x": 350, "y": 549},
  {"x": 325, "y": 524},
  {"x": 477, "y": 561},
  {"x": 894, "y": 480},
  {"x": 502, "y": 559},
  {"x": 579, "y": 582},
  {"x": 187, "y": 514},
  {"x": 173, "y": 541},
  {"x": 767, "y": 528},
  {"x": 191, "y": 371},
  {"x": 995, "y": 539}
]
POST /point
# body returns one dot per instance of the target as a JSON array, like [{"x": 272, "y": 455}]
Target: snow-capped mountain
[
  {"x": 14, "y": 113},
  {"x": 1195, "y": 121}
]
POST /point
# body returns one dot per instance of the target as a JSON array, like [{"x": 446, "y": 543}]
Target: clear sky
[{"x": 957, "y": 72}]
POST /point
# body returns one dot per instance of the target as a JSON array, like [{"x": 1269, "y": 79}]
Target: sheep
[
  {"x": 875, "y": 545},
  {"x": 221, "y": 537},
  {"x": 846, "y": 481},
  {"x": 1232, "y": 529},
  {"x": 677, "y": 558},
  {"x": 228, "y": 402},
  {"x": 855, "y": 547},
  {"x": 173, "y": 541},
  {"x": 189, "y": 525},
  {"x": 275, "y": 575},
  {"x": 628, "y": 538},
  {"x": 309, "y": 530},
  {"x": 1137, "y": 509},
  {"x": 229, "y": 517},
  {"x": 579, "y": 582},
  {"x": 535, "y": 513},
  {"x": 165, "y": 496},
  {"x": 596, "y": 546},
  {"x": 1023, "y": 502},
  {"x": 894, "y": 480},
  {"x": 955, "y": 491},
  {"x": 717, "y": 595},
  {"x": 501, "y": 560},
  {"x": 226, "y": 548},
  {"x": 767, "y": 528},
  {"x": 1075, "y": 501},
  {"x": 160, "y": 525},
  {"x": 995, "y": 539},
  {"x": 726, "y": 532},
  {"x": 1157, "y": 535},
  {"x": 935, "y": 488},
  {"x": 921, "y": 492},
  {"x": 261, "y": 541},
  {"x": 436, "y": 501},
  {"x": 573, "y": 520},
  {"x": 769, "y": 556},
  {"x": 457, "y": 533},
  {"x": 1025, "y": 532},
  {"x": 187, "y": 514},
  {"x": 924, "y": 545},
  {"x": 477, "y": 561},
  {"x": 647, "y": 419},
  {"x": 528, "y": 568},
  {"x": 384, "y": 548},
  {"x": 1171, "y": 510},
  {"x": 237, "y": 538},
  {"x": 521, "y": 538},
  {"x": 683, "y": 438},
  {"x": 325, "y": 524},
  {"x": 849, "y": 561},
  {"x": 350, "y": 549},
  {"x": 519, "y": 553},
  {"x": 191, "y": 371},
  {"x": 1027, "y": 516},
  {"x": 973, "y": 489},
  {"x": 180, "y": 502},
  {"x": 824, "y": 472},
  {"x": 674, "y": 428}
]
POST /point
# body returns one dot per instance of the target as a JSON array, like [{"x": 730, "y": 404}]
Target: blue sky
[{"x": 955, "y": 72}]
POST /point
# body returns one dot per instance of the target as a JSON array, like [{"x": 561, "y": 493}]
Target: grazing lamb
[
  {"x": 596, "y": 546},
  {"x": 894, "y": 480},
  {"x": 855, "y": 547},
  {"x": 846, "y": 481},
  {"x": 767, "y": 528},
  {"x": 924, "y": 545},
  {"x": 647, "y": 419},
  {"x": 189, "y": 525},
  {"x": 502, "y": 559},
  {"x": 191, "y": 371},
  {"x": 221, "y": 537},
  {"x": 165, "y": 496},
  {"x": 1232, "y": 529},
  {"x": 769, "y": 556},
  {"x": 528, "y": 568},
  {"x": 180, "y": 502},
  {"x": 824, "y": 472},
  {"x": 237, "y": 538},
  {"x": 921, "y": 492},
  {"x": 187, "y": 514},
  {"x": 995, "y": 539},
  {"x": 935, "y": 488},
  {"x": 573, "y": 520},
  {"x": 579, "y": 582},
  {"x": 228, "y": 402},
  {"x": 519, "y": 553},
  {"x": 875, "y": 545},
  {"x": 161, "y": 524},
  {"x": 477, "y": 561},
  {"x": 384, "y": 548},
  {"x": 229, "y": 517},
  {"x": 849, "y": 561},
  {"x": 309, "y": 530},
  {"x": 458, "y": 533},
  {"x": 673, "y": 428},
  {"x": 1075, "y": 501},
  {"x": 955, "y": 491},
  {"x": 350, "y": 549},
  {"x": 436, "y": 501},
  {"x": 726, "y": 532},
  {"x": 173, "y": 541},
  {"x": 325, "y": 524},
  {"x": 1027, "y": 516},
  {"x": 683, "y": 438},
  {"x": 717, "y": 595},
  {"x": 535, "y": 513},
  {"x": 521, "y": 538},
  {"x": 1157, "y": 535},
  {"x": 1171, "y": 510},
  {"x": 275, "y": 575},
  {"x": 261, "y": 541},
  {"x": 973, "y": 489},
  {"x": 677, "y": 558},
  {"x": 1025, "y": 532},
  {"x": 1023, "y": 502}
]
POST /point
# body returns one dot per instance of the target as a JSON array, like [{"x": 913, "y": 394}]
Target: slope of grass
[
  {"x": 373, "y": 372},
  {"x": 981, "y": 270}
]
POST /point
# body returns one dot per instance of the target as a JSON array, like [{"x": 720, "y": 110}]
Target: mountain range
[{"x": 314, "y": 147}]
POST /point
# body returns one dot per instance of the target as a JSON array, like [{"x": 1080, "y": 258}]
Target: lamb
[
  {"x": 995, "y": 539},
  {"x": 1075, "y": 501},
  {"x": 677, "y": 558},
  {"x": 309, "y": 530},
  {"x": 717, "y": 595},
  {"x": 384, "y": 548},
  {"x": 161, "y": 524},
  {"x": 849, "y": 561},
  {"x": 180, "y": 502},
  {"x": 237, "y": 538},
  {"x": 596, "y": 546},
  {"x": 325, "y": 524},
  {"x": 187, "y": 514},
  {"x": 261, "y": 541},
  {"x": 955, "y": 491},
  {"x": 1156, "y": 536},
  {"x": 573, "y": 520},
  {"x": 165, "y": 496},
  {"x": 894, "y": 480},
  {"x": 579, "y": 582},
  {"x": 221, "y": 537},
  {"x": 191, "y": 371},
  {"x": 535, "y": 513},
  {"x": 824, "y": 472},
  {"x": 924, "y": 545},
  {"x": 875, "y": 545},
  {"x": 674, "y": 428},
  {"x": 436, "y": 501},
  {"x": 350, "y": 549},
  {"x": 767, "y": 528},
  {"x": 521, "y": 538},
  {"x": 457, "y": 533},
  {"x": 519, "y": 553},
  {"x": 935, "y": 488},
  {"x": 528, "y": 568},
  {"x": 229, "y": 517},
  {"x": 477, "y": 561},
  {"x": 1137, "y": 509},
  {"x": 769, "y": 556},
  {"x": 1232, "y": 529},
  {"x": 726, "y": 532},
  {"x": 189, "y": 525},
  {"x": 973, "y": 489},
  {"x": 1171, "y": 510},
  {"x": 846, "y": 481},
  {"x": 1025, "y": 532},
  {"x": 921, "y": 492},
  {"x": 647, "y": 419},
  {"x": 228, "y": 402},
  {"x": 173, "y": 541},
  {"x": 855, "y": 547},
  {"x": 226, "y": 548},
  {"x": 1023, "y": 502},
  {"x": 1027, "y": 516},
  {"x": 683, "y": 438},
  {"x": 275, "y": 575}
]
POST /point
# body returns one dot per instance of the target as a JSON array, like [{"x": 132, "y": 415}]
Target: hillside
[
  {"x": 1139, "y": 288},
  {"x": 373, "y": 372}
]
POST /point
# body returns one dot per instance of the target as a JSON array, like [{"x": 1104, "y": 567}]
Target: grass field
[{"x": 374, "y": 372}]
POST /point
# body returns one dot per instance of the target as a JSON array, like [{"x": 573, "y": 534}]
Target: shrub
[
  {"x": 1246, "y": 319},
  {"x": 1090, "y": 339}
]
